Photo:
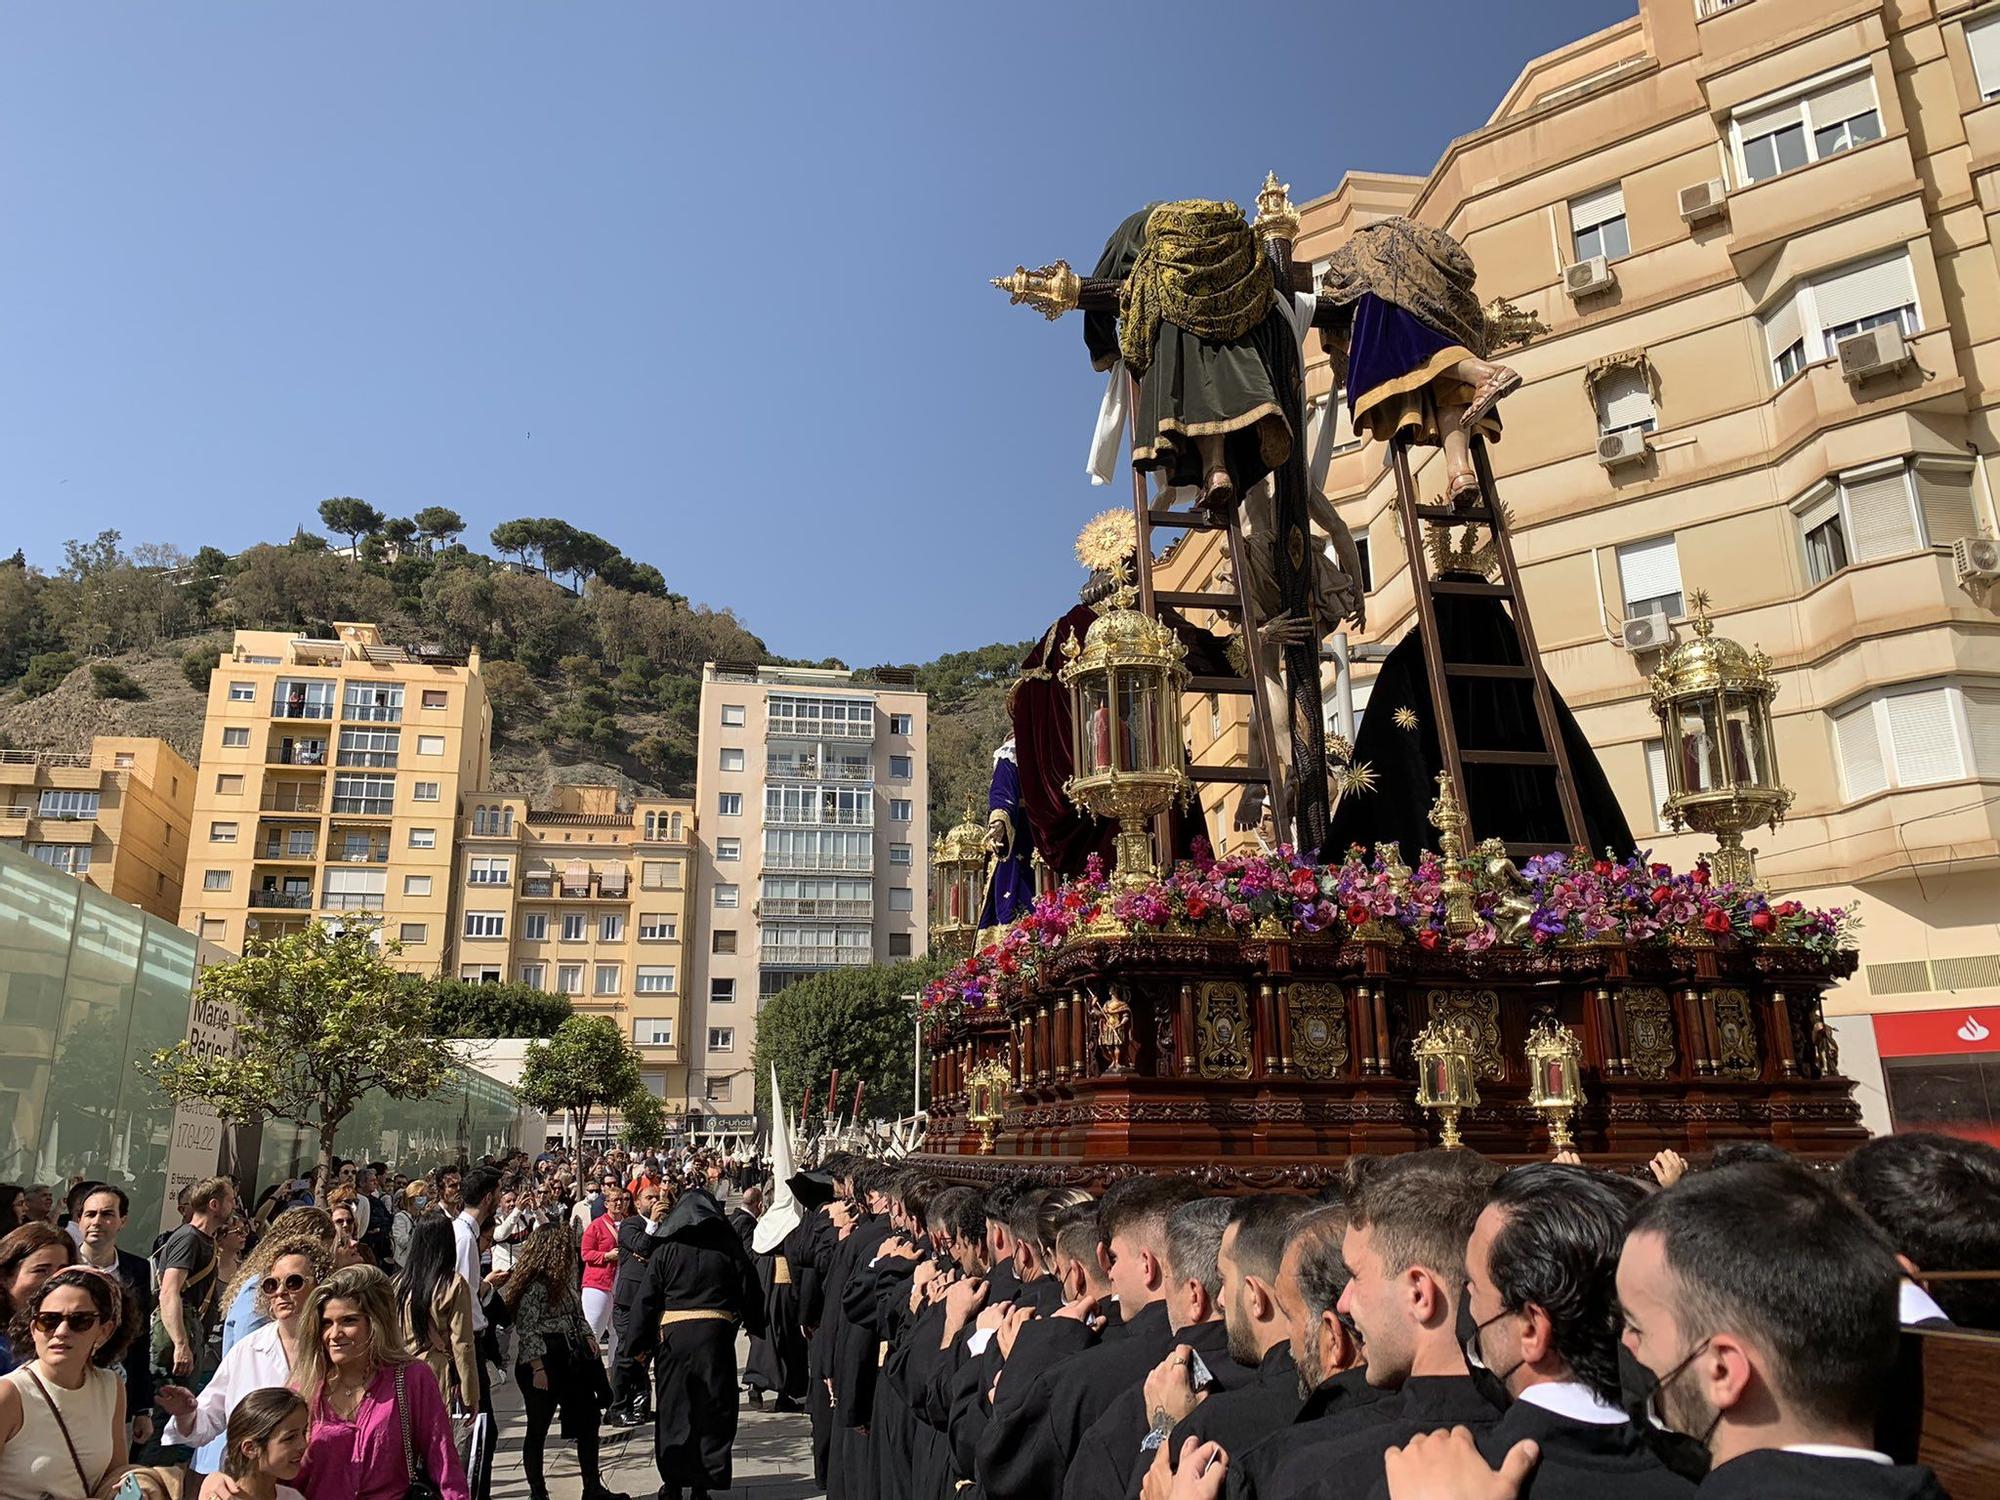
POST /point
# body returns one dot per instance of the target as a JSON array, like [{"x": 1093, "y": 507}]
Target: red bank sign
[{"x": 1938, "y": 1033}]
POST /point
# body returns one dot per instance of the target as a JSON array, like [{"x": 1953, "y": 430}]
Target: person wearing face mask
[
  {"x": 1539, "y": 1326},
  {"x": 414, "y": 1208},
  {"x": 1760, "y": 1332}
]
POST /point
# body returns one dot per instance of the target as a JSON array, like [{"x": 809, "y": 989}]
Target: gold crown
[{"x": 1472, "y": 552}]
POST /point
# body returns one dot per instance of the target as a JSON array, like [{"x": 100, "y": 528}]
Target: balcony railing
[
  {"x": 287, "y": 900},
  {"x": 289, "y": 854},
  {"x": 379, "y": 759},
  {"x": 17, "y": 812},
  {"x": 792, "y": 956},
  {"x": 790, "y": 906},
  {"x": 860, "y": 817},
  {"x": 793, "y": 768},
  {"x": 373, "y": 713},
  {"x": 284, "y": 799},
  {"x": 377, "y": 854},
  {"x": 74, "y": 758},
  {"x": 813, "y": 729},
  {"x": 845, "y": 864},
  {"x": 302, "y": 710},
  {"x": 351, "y": 901},
  {"x": 367, "y": 807},
  {"x": 296, "y": 755}
]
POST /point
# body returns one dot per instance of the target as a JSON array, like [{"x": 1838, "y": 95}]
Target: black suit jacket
[{"x": 1332, "y": 1458}]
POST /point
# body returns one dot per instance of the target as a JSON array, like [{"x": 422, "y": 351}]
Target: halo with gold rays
[{"x": 1107, "y": 540}]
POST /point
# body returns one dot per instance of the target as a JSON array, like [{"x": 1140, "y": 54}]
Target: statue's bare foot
[
  {"x": 1218, "y": 492},
  {"x": 1461, "y": 491},
  {"x": 1503, "y": 381}
]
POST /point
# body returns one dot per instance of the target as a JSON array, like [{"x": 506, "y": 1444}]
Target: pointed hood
[{"x": 782, "y": 1217}]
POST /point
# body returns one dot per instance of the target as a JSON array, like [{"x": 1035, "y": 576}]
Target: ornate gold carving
[
  {"x": 1114, "y": 1031},
  {"x": 1449, "y": 819},
  {"x": 1108, "y": 540},
  {"x": 1477, "y": 1012},
  {"x": 1276, "y": 218},
  {"x": 1735, "y": 1034},
  {"x": 1649, "y": 1029},
  {"x": 1222, "y": 1029},
  {"x": 1509, "y": 326},
  {"x": 1319, "y": 1030},
  {"x": 1050, "y": 290}
]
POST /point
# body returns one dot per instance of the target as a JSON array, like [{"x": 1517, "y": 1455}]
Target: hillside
[{"x": 597, "y": 685}]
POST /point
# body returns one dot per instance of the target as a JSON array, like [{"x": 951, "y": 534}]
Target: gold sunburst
[
  {"x": 1107, "y": 540},
  {"x": 1357, "y": 780},
  {"x": 1404, "y": 717}
]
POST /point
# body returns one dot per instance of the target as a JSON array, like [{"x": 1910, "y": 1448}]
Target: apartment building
[
  {"x": 1761, "y": 234},
  {"x": 332, "y": 772},
  {"x": 588, "y": 901},
  {"x": 813, "y": 793},
  {"x": 116, "y": 815}
]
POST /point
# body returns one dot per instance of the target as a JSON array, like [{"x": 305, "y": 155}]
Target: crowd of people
[{"x": 1434, "y": 1327}]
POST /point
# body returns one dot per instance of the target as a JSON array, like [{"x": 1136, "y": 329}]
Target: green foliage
[
  {"x": 857, "y": 1020},
  {"x": 439, "y": 525},
  {"x": 198, "y": 666},
  {"x": 323, "y": 1017},
  {"x": 352, "y": 518},
  {"x": 109, "y": 680},
  {"x": 586, "y": 1064},
  {"x": 399, "y": 531},
  {"x": 645, "y": 1125},
  {"x": 46, "y": 672},
  {"x": 461, "y": 1008},
  {"x": 968, "y": 720},
  {"x": 512, "y": 691}
]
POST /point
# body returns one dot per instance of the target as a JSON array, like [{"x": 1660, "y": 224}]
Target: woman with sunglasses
[
  {"x": 267, "y": 1357},
  {"x": 62, "y": 1413},
  {"x": 29, "y": 1256}
]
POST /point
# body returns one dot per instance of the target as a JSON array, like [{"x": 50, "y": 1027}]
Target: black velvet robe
[
  {"x": 1328, "y": 1458},
  {"x": 1109, "y": 1460},
  {"x": 1243, "y": 1418},
  {"x": 1769, "y": 1474}
]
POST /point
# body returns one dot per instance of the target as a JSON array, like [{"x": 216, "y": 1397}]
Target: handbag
[
  {"x": 63, "y": 1427},
  {"x": 421, "y": 1485}
]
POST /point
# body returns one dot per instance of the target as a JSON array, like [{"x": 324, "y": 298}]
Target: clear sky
[{"x": 709, "y": 280}]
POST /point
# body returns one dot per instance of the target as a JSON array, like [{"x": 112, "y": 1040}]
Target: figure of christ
[{"x": 1010, "y": 880}]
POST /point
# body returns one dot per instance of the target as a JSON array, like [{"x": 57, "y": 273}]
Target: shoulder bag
[{"x": 421, "y": 1485}]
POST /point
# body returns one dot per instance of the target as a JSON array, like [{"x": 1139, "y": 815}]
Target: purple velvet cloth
[{"x": 1385, "y": 345}]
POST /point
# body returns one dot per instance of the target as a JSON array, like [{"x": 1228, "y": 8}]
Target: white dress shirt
[
  {"x": 1574, "y": 1400},
  {"x": 465, "y": 1230},
  {"x": 251, "y": 1364}
]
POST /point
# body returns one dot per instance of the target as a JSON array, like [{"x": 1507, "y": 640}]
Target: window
[
  {"x": 228, "y": 785},
  {"x": 666, "y": 826},
  {"x": 569, "y": 979},
  {"x": 423, "y": 838},
  {"x": 726, "y": 895},
  {"x": 901, "y": 724},
  {"x": 722, "y": 940},
  {"x": 732, "y": 716},
  {"x": 222, "y": 833},
  {"x": 722, "y": 991},
  {"x": 434, "y": 698},
  {"x": 413, "y": 932},
  {"x": 354, "y": 890},
  {"x": 376, "y": 702},
  {"x": 901, "y": 898},
  {"x": 1624, "y": 397},
  {"x": 732, "y": 758},
  {"x": 485, "y": 924},
  {"x": 364, "y": 794},
  {"x": 1597, "y": 224},
  {"x": 652, "y": 1031},
  {"x": 722, "y": 1038},
  {"x": 899, "y": 768},
  {"x": 657, "y": 927},
  {"x": 215, "y": 880},
  {"x": 608, "y": 979},
  {"x": 899, "y": 945},
  {"x": 534, "y": 926},
  {"x": 74, "y": 858},
  {"x": 430, "y": 744},
  {"x": 1983, "y": 40},
  {"x": 716, "y": 1090},
  {"x": 424, "y": 791},
  {"x": 242, "y": 692},
  {"x": 1367, "y": 563},
  {"x": 1886, "y": 510},
  {"x": 1650, "y": 575},
  {"x": 1835, "y": 305},
  {"x": 302, "y": 698},
  {"x": 534, "y": 976},
  {"x": 899, "y": 854},
  {"x": 1656, "y": 782},
  {"x": 212, "y": 929},
  {"x": 729, "y": 805},
  {"x": 78, "y": 805},
  {"x": 899, "y": 809},
  {"x": 487, "y": 870},
  {"x": 1918, "y": 735},
  {"x": 820, "y": 718},
  {"x": 727, "y": 849},
  {"x": 416, "y": 885},
  {"x": 611, "y": 928},
  {"x": 825, "y": 806},
  {"x": 299, "y": 842},
  {"x": 575, "y": 927},
  {"x": 1780, "y": 137},
  {"x": 654, "y": 979},
  {"x": 660, "y": 874},
  {"x": 479, "y": 973},
  {"x": 235, "y": 739}
]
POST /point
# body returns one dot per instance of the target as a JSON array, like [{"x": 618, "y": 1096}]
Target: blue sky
[{"x": 707, "y": 280}]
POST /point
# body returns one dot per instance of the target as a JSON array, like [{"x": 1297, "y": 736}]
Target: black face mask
[
  {"x": 1639, "y": 1393},
  {"x": 1490, "y": 1383}
]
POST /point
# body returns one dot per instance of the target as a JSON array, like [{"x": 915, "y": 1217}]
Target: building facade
[
  {"x": 1761, "y": 234},
  {"x": 587, "y": 901},
  {"x": 332, "y": 774},
  {"x": 116, "y": 816},
  {"x": 812, "y": 792}
]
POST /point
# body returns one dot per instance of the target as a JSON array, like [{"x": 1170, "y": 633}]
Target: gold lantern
[
  {"x": 1445, "y": 1083},
  {"x": 1713, "y": 700},
  {"x": 958, "y": 887},
  {"x": 1554, "y": 1086},
  {"x": 986, "y": 1087},
  {"x": 1125, "y": 687}
]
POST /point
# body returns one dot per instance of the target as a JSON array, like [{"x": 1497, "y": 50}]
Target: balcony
[
  {"x": 291, "y": 710},
  {"x": 818, "y": 817},
  {"x": 808, "y": 864},
  {"x": 781, "y": 906},
  {"x": 794, "y": 956},
  {"x": 377, "y": 760},
  {"x": 811, "y": 768},
  {"x": 345, "y": 854},
  {"x": 18, "y": 812},
  {"x": 291, "y": 797},
  {"x": 290, "y": 753},
  {"x": 275, "y": 852},
  {"x": 372, "y": 713},
  {"x": 364, "y": 807},
  {"x": 79, "y": 760},
  {"x": 352, "y": 901},
  {"x": 814, "y": 729},
  {"x": 282, "y": 900}
]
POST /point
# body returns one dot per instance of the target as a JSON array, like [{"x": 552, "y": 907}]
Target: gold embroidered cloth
[
  {"x": 1420, "y": 269},
  {"x": 1199, "y": 269}
]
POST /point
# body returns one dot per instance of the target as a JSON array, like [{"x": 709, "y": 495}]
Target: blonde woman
[{"x": 241, "y": 1304}]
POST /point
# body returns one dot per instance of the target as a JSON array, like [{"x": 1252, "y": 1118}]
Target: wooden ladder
[{"x": 1552, "y": 758}]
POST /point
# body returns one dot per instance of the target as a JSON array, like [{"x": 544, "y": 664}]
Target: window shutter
[
  {"x": 1623, "y": 398},
  {"x": 1984, "y": 42},
  {"x": 1597, "y": 208},
  {"x": 1656, "y": 780},
  {"x": 1982, "y": 719},
  {"x": 1926, "y": 742},
  {"x": 1862, "y": 291},
  {"x": 1882, "y": 523},
  {"x": 1782, "y": 326},
  {"x": 1945, "y": 497},
  {"x": 1767, "y": 120},
  {"x": 1843, "y": 100},
  {"x": 1860, "y": 751},
  {"x": 1646, "y": 570},
  {"x": 1819, "y": 513}
]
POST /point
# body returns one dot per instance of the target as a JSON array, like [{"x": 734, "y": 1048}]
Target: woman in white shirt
[{"x": 264, "y": 1358}]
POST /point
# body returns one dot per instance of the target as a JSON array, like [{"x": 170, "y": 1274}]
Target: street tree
[
  {"x": 645, "y": 1126},
  {"x": 352, "y": 518},
  {"x": 585, "y": 1065},
  {"x": 857, "y": 1020},
  {"x": 323, "y": 1018}
]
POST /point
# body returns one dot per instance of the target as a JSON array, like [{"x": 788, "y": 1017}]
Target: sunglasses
[
  {"x": 49, "y": 1322},
  {"x": 292, "y": 1283}
]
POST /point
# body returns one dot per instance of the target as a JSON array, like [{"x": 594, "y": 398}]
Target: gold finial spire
[
  {"x": 1698, "y": 610},
  {"x": 1276, "y": 218},
  {"x": 1050, "y": 290}
]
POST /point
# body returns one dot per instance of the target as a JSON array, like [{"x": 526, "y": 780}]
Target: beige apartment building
[
  {"x": 588, "y": 901},
  {"x": 116, "y": 815},
  {"x": 813, "y": 792},
  {"x": 1762, "y": 236},
  {"x": 332, "y": 774}
]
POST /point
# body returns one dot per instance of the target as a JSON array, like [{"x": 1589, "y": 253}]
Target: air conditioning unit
[
  {"x": 1873, "y": 351},
  {"x": 1588, "y": 277},
  {"x": 1646, "y": 633},
  {"x": 1976, "y": 559},
  {"x": 1625, "y": 446},
  {"x": 1704, "y": 201}
]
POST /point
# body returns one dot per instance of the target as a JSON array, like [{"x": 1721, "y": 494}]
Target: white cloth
[
  {"x": 1574, "y": 1400},
  {"x": 981, "y": 1337},
  {"x": 1915, "y": 1305},
  {"x": 465, "y": 1230},
  {"x": 251, "y": 1364},
  {"x": 515, "y": 1225},
  {"x": 1840, "y": 1450}
]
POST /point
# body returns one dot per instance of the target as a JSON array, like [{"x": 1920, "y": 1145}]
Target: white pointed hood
[{"x": 782, "y": 1217}]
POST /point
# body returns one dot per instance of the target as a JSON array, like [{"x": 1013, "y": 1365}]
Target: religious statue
[
  {"x": 1114, "y": 1032},
  {"x": 1515, "y": 908},
  {"x": 1010, "y": 876}
]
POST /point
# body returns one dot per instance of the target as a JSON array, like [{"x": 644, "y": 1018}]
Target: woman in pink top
[
  {"x": 600, "y": 1262},
  {"x": 350, "y": 1375}
]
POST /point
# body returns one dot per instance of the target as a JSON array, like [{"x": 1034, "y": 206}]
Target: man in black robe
[
  {"x": 853, "y": 1354},
  {"x": 638, "y": 1234},
  {"x": 957, "y": 1227},
  {"x": 700, "y": 1287}
]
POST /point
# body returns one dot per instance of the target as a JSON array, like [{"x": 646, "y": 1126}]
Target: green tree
[
  {"x": 109, "y": 680},
  {"x": 399, "y": 532},
  {"x": 586, "y": 1064},
  {"x": 513, "y": 692},
  {"x": 645, "y": 1118},
  {"x": 323, "y": 1018},
  {"x": 46, "y": 672},
  {"x": 516, "y": 538},
  {"x": 198, "y": 665},
  {"x": 439, "y": 525},
  {"x": 857, "y": 1020},
  {"x": 462, "y": 1008},
  {"x": 352, "y": 518}
]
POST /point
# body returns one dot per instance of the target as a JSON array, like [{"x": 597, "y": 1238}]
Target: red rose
[
  {"x": 1716, "y": 921},
  {"x": 1427, "y": 939},
  {"x": 1789, "y": 908},
  {"x": 1762, "y": 921},
  {"x": 1661, "y": 872},
  {"x": 1699, "y": 875},
  {"x": 1662, "y": 894},
  {"x": 1197, "y": 908},
  {"x": 1600, "y": 868},
  {"x": 1356, "y": 914}
]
